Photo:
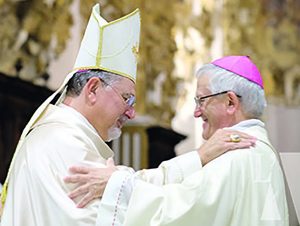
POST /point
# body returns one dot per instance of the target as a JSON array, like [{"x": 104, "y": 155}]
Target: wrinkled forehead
[{"x": 202, "y": 85}]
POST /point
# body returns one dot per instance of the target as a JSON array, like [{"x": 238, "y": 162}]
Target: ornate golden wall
[
  {"x": 32, "y": 33},
  {"x": 270, "y": 32},
  {"x": 177, "y": 37},
  {"x": 184, "y": 32}
]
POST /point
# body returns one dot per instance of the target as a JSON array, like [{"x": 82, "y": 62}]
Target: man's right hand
[{"x": 221, "y": 142}]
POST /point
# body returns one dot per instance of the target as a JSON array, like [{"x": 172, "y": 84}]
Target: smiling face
[
  {"x": 105, "y": 105},
  {"x": 121, "y": 94},
  {"x": 214, "y": 111}
]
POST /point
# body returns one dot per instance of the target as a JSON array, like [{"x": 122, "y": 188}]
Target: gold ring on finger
[{"x": 235, "y": 138}]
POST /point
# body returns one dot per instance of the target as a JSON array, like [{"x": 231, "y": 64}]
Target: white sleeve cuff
[
  {"x": 186, "y": 165},
  {"x": 115, "y": 199}
]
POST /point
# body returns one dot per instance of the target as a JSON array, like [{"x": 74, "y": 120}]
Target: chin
[
  {"x": 205, "y": 135},
  {"x": 113, "y": 133}
]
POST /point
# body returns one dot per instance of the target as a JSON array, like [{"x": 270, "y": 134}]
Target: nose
[
  {"x": 130, "y": 112},
  {"x": 197, "y": 111}
]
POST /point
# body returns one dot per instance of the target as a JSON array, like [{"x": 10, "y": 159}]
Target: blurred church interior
[{"x": 39, "y": 40}]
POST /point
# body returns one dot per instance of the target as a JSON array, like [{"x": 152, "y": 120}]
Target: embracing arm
[
  {"x": 194, "y": 201},
  {"x": 172, "y": 171},
  {"x": 221, "y": 142},
  {"x": 177, "y": 169}
]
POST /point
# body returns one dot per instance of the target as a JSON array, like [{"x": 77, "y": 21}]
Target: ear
[
  {"x": 91, "y": 88},
  {"x": 233, "y": 103}
]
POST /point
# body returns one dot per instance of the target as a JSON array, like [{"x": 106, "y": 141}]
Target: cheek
[
  {"x": 114, "y": 111},
  {"x": 114, "y": 106},
  {"x": 216, "y": 116},
  {"x": 104, "y": 113}
]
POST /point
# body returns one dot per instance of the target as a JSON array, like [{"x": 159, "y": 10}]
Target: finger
[
  {"x": 79, "y": 169},
  {"x": 241, "y": 134},
  {"x": 247, "y": 138},
  {"x": 79, "y": 191},
  {"x": 242, "y": 137},
  {"x": 241, "y": 145},
  {"x": 78, "y": 178},
  {"x": 110, "y": 162},
  {"x": 85, "y": 200}
]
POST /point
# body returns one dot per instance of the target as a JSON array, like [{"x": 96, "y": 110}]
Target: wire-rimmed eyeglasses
[
  {"x": 127, "y": 99},
  {"x": 199, "y": 100}
]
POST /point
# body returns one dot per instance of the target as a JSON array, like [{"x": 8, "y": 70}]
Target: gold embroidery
[{"x": 135, "y": 51}]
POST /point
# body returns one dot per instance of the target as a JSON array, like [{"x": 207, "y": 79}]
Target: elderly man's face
[
  {"x": 212, "y": 110},
  {"x": 113, "y": 108}
]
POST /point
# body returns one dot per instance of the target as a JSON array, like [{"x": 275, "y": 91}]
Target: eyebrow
[{"x": 128, "y": 94}]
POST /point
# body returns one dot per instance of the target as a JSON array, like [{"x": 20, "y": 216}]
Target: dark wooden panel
[{"x": 18, "y": 101}]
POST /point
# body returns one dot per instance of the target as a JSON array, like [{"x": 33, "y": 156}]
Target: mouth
[
  {"x": 205, "y": 122},
  {"x": 119, "y": 124},
  {"x": 121, "y": 121},
  {"x": 204, "y": 119}
]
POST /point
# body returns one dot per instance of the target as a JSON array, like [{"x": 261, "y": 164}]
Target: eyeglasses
[
  {"x": 127, "y": 99},
  {"x": 200, "y": 100}
]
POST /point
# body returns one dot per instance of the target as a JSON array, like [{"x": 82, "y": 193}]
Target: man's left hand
[{"x": 92, "y": 181}]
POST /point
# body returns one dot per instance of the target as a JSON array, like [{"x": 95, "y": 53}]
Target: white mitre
[{"x": 112, "y": 46}]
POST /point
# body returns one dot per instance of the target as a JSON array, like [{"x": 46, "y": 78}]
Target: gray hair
[
  {"x": 80, "y": 78},
  {"x": 253, "y": 99}
]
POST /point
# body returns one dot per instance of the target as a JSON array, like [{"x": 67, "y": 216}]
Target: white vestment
[
  {"x": 240, "y": 188},
  {"x": 37, "y": 194}
]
